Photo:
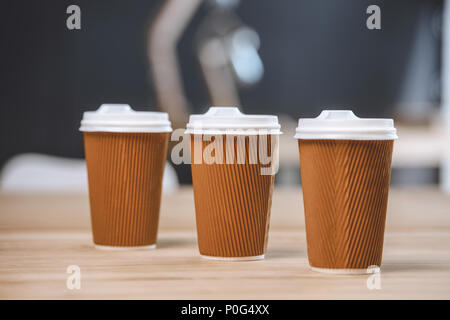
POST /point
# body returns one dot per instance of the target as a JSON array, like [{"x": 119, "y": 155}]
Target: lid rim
[
  {"x": 350, "y": 131},
  {"x": 234, "y": 132},
  {"x": 332, "y": 136},
  {"x": 126, "y": 129}
]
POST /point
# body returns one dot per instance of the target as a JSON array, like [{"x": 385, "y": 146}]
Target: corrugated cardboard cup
[
  {"x": 345, "y": 164},
  {"x": 125, "y": 156},
  {"x": 233, "y": 181}
]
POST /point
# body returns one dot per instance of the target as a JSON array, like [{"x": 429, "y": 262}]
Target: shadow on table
[
  {"x": 413, "y": 266},
  {"x": 283, "y": 253},
  {"x": 175, "y": 242}
]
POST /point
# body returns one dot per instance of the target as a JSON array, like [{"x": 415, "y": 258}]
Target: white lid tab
[
  {"x": 345, "y": 125},
  {"x": 122, "y": 118},
  {"x": 230, "y": 120}
]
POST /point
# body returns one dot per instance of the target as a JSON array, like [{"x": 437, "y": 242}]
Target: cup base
[
  {"x": 261, "y": 257},
  {"x": 118, "y": 248},
  {"x": 369, "y": 270}
]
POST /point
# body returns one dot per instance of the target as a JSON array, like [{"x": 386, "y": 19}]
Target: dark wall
[
  {"x": 315, "y": 54},
  {"x": 51, "y": 74}
]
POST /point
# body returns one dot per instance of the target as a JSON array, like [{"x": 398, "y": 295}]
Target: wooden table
[{"x": 41, "y": 235}]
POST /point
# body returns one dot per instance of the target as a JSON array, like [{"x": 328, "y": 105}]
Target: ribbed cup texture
[
  {"x": 345, "y": 192},
  {"x": 125, "y": 172},
  {"x": 232, "y": 204}
]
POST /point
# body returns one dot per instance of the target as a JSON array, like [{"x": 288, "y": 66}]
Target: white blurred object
[
  {"x": 32, "y": 172},
  {"x": 228, "y": 53},
  {"x": 246, "y": 62},
  {"x": 226, "y": 3},
  {"x": 165, "y": 32}
]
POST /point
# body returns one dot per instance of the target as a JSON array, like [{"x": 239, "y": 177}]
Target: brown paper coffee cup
[
  {"x": 232, "y": 203},
  {"x": 345, "y": 164},
  {"x": 125, "y": 157},
  {"x": 125, "y": 172},
  {"x": 345, "y": 188}
]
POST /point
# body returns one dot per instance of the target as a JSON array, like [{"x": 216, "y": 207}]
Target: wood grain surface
[{"x": 41, "y": 235}]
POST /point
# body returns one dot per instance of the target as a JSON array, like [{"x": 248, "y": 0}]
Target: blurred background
[{"x": 291, "y": 58}]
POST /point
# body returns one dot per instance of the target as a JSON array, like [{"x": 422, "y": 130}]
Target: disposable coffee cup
[
  {"x": 125, "y": 156},
  {"x": 345, "y": 164},
  {"x": 234, "y": 158}
]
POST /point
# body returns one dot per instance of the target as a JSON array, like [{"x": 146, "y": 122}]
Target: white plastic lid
[
  {"x": 345, "y": 125},
  {"x": 229, "y": 120},
  {"x": 121, "y": 118}
]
